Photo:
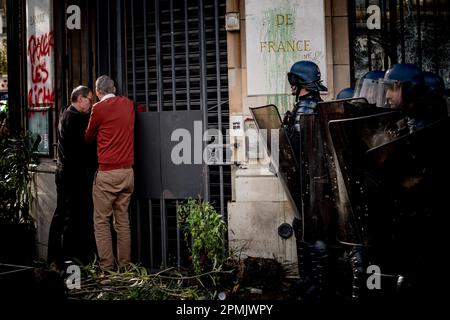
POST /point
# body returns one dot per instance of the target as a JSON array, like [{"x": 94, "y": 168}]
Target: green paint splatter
[
  {"x": 278, "y": 63},
  {"x": 283, "y": 102}
]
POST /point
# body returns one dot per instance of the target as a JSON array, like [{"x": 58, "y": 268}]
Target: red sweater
[{"x": 112, "y": 123}]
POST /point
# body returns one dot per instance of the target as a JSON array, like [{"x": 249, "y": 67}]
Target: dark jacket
[
  {"x": 305, "y": 104},
  {"x": 71, "y": 232},
  {"x": 74, "y": 153}
]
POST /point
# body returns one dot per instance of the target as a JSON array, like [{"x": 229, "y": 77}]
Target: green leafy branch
[{"x": 204, "y": 228}]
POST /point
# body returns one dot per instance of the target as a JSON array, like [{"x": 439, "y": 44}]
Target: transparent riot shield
[
  {"x": 306, "y": 183},
  {"x": 350, "y": 140},
  {"x": 279, "y": 149},
  {"x": 361, "y": 123},
  {"x": 396, "y": 192},
  {"x": 315, "y": 184},
  {"x": 348, "y": 108},
  {"x": 409, "y": 190}
]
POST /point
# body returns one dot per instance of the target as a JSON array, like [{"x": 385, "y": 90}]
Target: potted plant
[{"x": 17, "y": 229}]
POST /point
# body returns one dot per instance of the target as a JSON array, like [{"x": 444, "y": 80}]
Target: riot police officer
[
  {"x": 435, "y": 95},
  {"x": 305, "y": 82},
  {"x": 345, "y": 93},
  {"x": 403, "y": 88}
]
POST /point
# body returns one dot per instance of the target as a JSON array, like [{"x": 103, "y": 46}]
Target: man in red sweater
[{"x": 112, "y": 124}]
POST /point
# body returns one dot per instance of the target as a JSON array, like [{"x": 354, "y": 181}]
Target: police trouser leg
[
  {"x": 319, "y": 267},
  {"x": 357, "y": 263},
  {"x": 302, "y": 251}
]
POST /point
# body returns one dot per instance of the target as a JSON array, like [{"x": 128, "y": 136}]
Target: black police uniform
[
  {"x": 305, "y": 104},
  {"x": 312, "y": 255}
]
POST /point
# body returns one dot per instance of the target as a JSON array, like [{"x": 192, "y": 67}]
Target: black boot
[{"x": 357, "y": 262}]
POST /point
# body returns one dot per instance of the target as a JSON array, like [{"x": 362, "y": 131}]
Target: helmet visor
[
  {"x": 367, "y": 88},
  {"x": 321, "y": 87},
  {"x": 293, "y": 79},
  {"x": 389, "y": 94},
  {"x": 290, "y": 85}
]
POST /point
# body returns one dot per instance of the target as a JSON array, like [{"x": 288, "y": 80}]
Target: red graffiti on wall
[
  {"x": 39, "y": 73},
  {"x": 43, "y": 94},
  {"x": 39, "y": 48}
]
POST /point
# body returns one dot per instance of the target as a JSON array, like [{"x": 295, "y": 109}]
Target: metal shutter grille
[{"x": 172, "y": 63}]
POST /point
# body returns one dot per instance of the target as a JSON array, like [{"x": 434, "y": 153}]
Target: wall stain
[{"x": 279, "y": 28}]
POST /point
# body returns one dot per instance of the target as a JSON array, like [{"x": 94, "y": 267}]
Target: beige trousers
[{"x": 111, "y": 195}]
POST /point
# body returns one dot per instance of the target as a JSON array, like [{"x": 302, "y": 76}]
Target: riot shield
[
  {"x": 350, "y": 140},
  {"x": 348, "y": 108},
  {"x": 393, "y": 184},
  {"x": 315, "y": 185},
  {"x": 410, "y": 178},
  {"x": 350, "y": 225},
  {"x": 307, "y": 184},
  {"x": 279, "y": 149}
]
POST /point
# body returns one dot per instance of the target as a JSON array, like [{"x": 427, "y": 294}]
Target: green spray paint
[{"x": 279, "y": 29}]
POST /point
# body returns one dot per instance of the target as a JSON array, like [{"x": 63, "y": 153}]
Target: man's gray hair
[
  {"x": 79, "y": 91},
  {"x": 105, "y": 85}
]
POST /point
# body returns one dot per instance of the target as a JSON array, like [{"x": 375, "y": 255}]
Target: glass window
[{"x": 400, "y": 31}]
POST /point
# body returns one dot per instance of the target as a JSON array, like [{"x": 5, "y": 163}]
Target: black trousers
[{"x": 71, "y": 234}]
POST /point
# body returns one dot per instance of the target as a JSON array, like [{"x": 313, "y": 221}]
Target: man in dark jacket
[{"x": 71, "y": 232}]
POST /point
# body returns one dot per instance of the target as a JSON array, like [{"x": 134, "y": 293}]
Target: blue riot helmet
[
  {"x": 306, "y": 74},
  {"x": 434, "y": 83},
  {"x": 401, "y": 87},
  {"x": 406, "y": 73},
  {"x": 435, "y": 95},
  {"x": 345, "y": 93},
  {"x": 367, "y": 85}
]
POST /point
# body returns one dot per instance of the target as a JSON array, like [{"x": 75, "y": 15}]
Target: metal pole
[{"x": 203, "y": 93}]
